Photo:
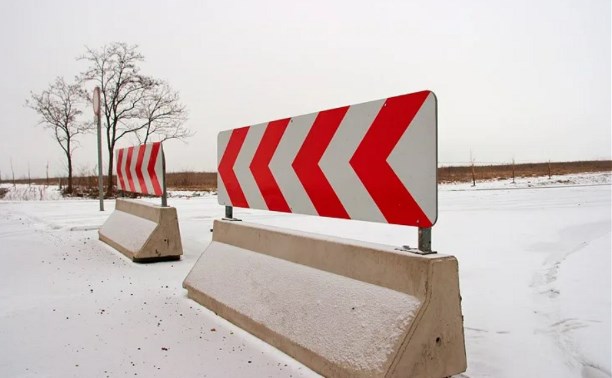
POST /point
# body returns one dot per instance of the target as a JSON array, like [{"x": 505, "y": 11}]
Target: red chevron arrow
[
  {"x": 266, "y": 182},
  {"x": 141, "y": 180},
  {"x": 226, "y": 167},
  {"x": 151, "y": 169},
  {"x": 306, "y": 164},
  {"x": 121, "y": 181},
  {"x": 370, "y": 160},
  {"x": 128, "y": 170}
]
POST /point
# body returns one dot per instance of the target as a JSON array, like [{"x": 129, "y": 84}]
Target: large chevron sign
[
  {"x": 374, "y": 161},
  {"x": 140, "y": 169}
]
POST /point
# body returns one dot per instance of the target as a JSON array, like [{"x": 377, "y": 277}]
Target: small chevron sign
[
  {"x": 140, "y": 169},
  {"x": 375, "y": 161}
]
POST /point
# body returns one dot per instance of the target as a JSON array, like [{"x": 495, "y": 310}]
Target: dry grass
[
  {"x": 86, "y": 185},
  {"x": 493, "y": 172},
  {"x": 192, "y": 180}
]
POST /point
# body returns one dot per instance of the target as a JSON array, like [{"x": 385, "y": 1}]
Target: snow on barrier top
[
  {"x": 140, "y": 169},
  {"x": 374, "y": 161}
]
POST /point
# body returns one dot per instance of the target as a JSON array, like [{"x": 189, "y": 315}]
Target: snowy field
[{"x": 534, "y": 260}]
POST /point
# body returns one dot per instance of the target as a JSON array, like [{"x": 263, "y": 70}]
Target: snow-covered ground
[
  {"x": 23, "y": 192},
  {"x": 535, "y": 273}
]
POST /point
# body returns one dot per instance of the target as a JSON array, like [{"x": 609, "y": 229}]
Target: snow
[
  {"x": 357, "y": 325},
  {"x": 24, "y": 192},
  {"x": 575, "y": 312},
  {"x": 534, "y": 270},
  {"x": 134, "y": 237},
  {"x": 599, "y": 178},
  {"x": 187, "y": 194}
]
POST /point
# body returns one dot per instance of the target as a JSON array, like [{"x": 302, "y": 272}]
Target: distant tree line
[{"x": 132, "y": 104}]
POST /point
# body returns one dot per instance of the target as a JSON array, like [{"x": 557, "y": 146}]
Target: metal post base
[
  {"x": 229, "y": 215},
  {"x": 424, "y": 243},
  {"x": 407, "y": 248}
]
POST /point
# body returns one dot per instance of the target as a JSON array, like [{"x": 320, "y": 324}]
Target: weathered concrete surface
[
  {"x": 142, "y": 231},
  {"x": 344, "y": 308}
]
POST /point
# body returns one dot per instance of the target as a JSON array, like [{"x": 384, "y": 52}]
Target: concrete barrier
[
  {"x": 142, "y": 231},
  {"x": 343, "y": 308}
]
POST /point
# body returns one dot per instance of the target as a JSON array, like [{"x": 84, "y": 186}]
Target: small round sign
[{"x": 96, "y": 101}]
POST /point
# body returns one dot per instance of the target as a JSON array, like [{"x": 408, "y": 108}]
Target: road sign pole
[
  {"x": 100, "y": 177},
  {"x": 96, "y": 104}
]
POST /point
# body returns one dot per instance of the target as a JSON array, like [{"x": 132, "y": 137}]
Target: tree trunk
[
  {"x": 109, "y": 180},
  {"x": 69, "y": 188},
  {"x": 69, "y": 158},
  {"x": 110, "y": 144},
  {"x": 549, "y": 171}
]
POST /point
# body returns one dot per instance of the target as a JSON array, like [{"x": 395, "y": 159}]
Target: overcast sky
[{"x": 522, "y": 79}]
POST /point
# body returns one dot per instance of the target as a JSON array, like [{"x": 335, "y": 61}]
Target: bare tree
[
  {"x": 549, "y": 171},
  {"x": 13, "y": 172},
  {"x": 472, "y": 160},
  {"x": 129, "y": 99},
  {"x": 115, "y": 69},
  {"x": 58, "y": 107},
  {"x": 163, "y": 115}
]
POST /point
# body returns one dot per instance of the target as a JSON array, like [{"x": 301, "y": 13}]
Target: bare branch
[{"x": 163, "y": 114}]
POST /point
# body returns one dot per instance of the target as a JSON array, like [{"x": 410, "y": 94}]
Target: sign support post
[
  {"x": 425, "y": 240},
  {"x": 229, "y": 214},
  {"x": 164, "y": 198},
  {"x": 96, "y": 105}
]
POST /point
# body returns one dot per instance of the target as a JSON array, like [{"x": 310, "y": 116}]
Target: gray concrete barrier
[
  {"x": 343, "y": 308},
  {"x": 142, "y": 231}
]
